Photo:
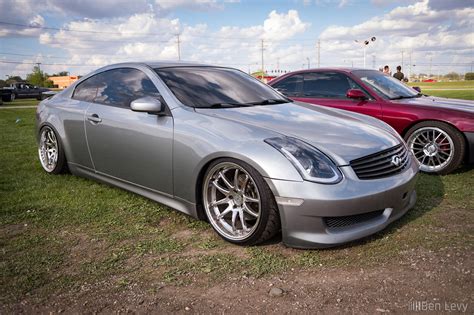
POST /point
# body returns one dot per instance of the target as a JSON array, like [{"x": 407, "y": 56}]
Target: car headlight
[{"x": 312, "y": 164}]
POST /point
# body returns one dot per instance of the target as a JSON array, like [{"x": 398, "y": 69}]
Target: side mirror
[
  {"x": 417, "y": 88},
  {"x": 147, "y": 104},
  {"x": 356, "y": 94}
]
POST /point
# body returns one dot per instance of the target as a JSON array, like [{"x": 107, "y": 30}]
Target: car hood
[
  {"x": 440, "y": 102},
  {"x": 342, "y": 135}
]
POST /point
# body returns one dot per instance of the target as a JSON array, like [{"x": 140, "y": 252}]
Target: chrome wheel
[
  {"x": 48, "y": 149},
  {"x": 232, "y": 201},
  {"x": 432, "y": 147}
]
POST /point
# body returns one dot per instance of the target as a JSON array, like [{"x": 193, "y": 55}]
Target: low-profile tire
[
  {"x": 51, "y": 152},
  {"x": 438, "y": 147},
  {"x": 238, "y": 203}
]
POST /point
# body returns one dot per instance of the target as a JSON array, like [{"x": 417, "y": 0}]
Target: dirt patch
[{"x": 415, "y": 276}]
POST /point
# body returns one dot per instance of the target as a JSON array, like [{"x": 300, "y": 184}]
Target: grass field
[
  {"x": 62, "y": 234},
  {"x": 459, "y": 89},
  {"x": 444, "y": 85}
]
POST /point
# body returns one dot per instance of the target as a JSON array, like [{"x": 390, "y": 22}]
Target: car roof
[
  {"x": 343, "y": 69},
  {"x": 163, "y": 64}
]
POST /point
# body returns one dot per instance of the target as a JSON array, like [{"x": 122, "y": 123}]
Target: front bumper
[{"x": 317, "y": 215}]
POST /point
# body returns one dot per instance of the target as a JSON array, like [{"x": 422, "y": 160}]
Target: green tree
[
  {"x": 39, "y": 78},
  {"x": 469, "y": 76},
  {"x": 60, "y": 74},
  {"x": 14, "y": 79},
  {"x": 453, "y": 76}
]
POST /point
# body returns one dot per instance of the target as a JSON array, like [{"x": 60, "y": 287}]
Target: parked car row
[{"x": 219, "y": 145}]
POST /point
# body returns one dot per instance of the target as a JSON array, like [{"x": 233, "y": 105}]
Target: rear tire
[
  {"x": 10, "y": 98},
  {"x": 238, "y": 203},
  {"x": 438, "y": 147}
]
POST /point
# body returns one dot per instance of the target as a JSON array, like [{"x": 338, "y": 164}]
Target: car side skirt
[{"x": 167, "y": 200}]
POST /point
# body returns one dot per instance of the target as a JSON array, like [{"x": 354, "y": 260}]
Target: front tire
[
  {"x": 238, "y": 203},
  {"x": 50, "y": 151},
  {"x": 438, "y": 147}
]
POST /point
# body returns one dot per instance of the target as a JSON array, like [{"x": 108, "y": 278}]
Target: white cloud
[
  {"x": 238, "y": 46},
  {"x": 282, "y": 26},
  {"x": 442, "y": 35}
]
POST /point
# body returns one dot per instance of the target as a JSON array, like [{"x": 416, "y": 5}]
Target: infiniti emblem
[{"x": 396, "y": 160}]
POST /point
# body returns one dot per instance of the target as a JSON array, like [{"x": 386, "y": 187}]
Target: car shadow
[{"x": 464, "y": 169}]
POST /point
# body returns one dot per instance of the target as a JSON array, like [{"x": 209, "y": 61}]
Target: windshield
[
  {"x": 385, "y": 85},
  {"x": 217, "y": 87}
]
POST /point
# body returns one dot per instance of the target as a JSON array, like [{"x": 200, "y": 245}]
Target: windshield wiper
[
  {"x": 405, "y": 96},
  {"x": 270, "y": 101},
  {"x": 227, "y": 104}
]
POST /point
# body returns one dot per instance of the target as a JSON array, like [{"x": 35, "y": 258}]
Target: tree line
[{"x": 36, "y": 77}]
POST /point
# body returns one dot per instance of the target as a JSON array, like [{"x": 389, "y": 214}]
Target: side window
[
  {"x": 326, "y": 85},
  {"x": 119, "y": 87},
  {"x": 86, "y": 90},
  {"x": 290, "y": 86}
]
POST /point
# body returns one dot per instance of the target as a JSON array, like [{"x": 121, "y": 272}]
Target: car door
[
  {"x": 330, "y": 89},
  {"x": 31, "y": 90},
  {"x": 134, "y": 147}
]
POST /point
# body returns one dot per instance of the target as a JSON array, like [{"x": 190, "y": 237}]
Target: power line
[
  {"x": 142, "y": 33},
  {"x": 45, "y": 64}
]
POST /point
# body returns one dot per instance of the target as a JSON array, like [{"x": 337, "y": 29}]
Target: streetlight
[{"x": 365, "y": 43}]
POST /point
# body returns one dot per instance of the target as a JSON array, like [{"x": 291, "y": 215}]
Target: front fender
[{"x": 200, "y": 139}]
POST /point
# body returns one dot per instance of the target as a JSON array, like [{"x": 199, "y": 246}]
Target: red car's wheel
[{"x": 438, "y": 147}]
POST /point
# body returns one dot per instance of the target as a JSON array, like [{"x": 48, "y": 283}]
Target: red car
[{"x": 439, "y": 131}]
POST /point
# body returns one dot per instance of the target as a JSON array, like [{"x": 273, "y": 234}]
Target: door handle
[{"x": 94, "y": 118}]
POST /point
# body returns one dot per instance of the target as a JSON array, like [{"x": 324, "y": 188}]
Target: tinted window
[
  {"x": 118, "y": 87},
  {"x": 86, "y": 90},
  {"x": 205, "y": 86},
  {"x": 326, "y": 85},
  {"x": 290, "y": 86}
]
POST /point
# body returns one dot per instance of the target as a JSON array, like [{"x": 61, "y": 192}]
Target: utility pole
[
  {"x": 431, "y": 61},
  {"x": 319, "y": 53},
  {"x": 178, "y": 41},
  {"x": 364, "y": 55},
  {"x": 409, "y": 74},
  {"x": 403, "y": 66},
  {"x": 309, "y": 64},
  {"x": 38, "y": 65},
  {"x": 263, "y": 68},
  {"x": 373, "y": 61}
]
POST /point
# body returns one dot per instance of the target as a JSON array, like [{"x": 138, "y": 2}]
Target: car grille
[
  {"x": 335, "y": 223},
  {"x": 382, "y": 164}
]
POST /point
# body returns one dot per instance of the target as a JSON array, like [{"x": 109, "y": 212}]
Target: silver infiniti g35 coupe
[{"x": 219, "y": 145}]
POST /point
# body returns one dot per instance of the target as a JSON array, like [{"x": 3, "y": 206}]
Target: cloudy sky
[{"x": 81, "y": 35}]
